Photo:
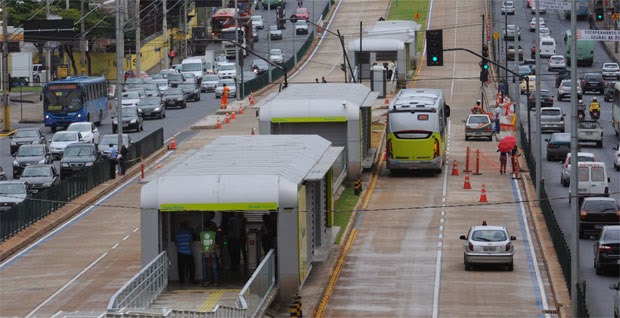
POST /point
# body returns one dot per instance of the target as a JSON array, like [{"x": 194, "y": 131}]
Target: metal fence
[
  {"x": 555, "y": 231},
  {"x": 47, "y": 201},
  {"x": 256, "y": 290},
  {"x": 142, "y": 289}
]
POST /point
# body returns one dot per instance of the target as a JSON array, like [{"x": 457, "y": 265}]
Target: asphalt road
[{"x": 599, "y": 297}]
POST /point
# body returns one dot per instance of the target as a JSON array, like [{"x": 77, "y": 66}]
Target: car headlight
[
  {"x": 64, "y": 164},
  {"x": 42, "y": 161},
  {"x": 46, "y": 184},
  {"x": 15, "y": 163},
  {"x": 156, "y": 109},
  {"x": 13, "y": 143},
  {"x": 88, "y": 164},
  {"x": 133, "y": 121}
]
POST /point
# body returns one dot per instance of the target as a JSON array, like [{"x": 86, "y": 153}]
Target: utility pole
[
  {"x": 120, "y": 52},
  {"x": 538, "y": 143},
  {"x": 574, "y": 202},
  {"x": 82, "y": 39},
  {"x": 48, "y": 53},
  {"x": 6, "y": 122},
  {"x": 165, "y": 30},
  {"x": 138, "y": 44},
  {"x": 185, "y": 28}
]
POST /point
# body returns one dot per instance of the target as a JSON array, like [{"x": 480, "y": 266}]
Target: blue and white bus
[{"x": 75, "y": 99}]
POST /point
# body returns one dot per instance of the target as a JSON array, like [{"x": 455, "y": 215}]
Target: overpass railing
[
  {"x": 254, "y": 294},
  {"x": 142, "y": 289}
]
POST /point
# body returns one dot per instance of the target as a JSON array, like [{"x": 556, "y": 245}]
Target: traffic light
[
  {"x": 434, "y": 47},
  {"x": 485, "y": 50},
  {"x": 599, "y": 14},
  {"x": 280, "y": 16},
  {"x": 484, "y": 64},
  {"x": 484, "y": 75}
]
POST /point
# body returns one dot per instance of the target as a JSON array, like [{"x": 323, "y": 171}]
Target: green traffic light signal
[
  {"x": 485, "y": 66},
  {"x": 434, "y": 59}
]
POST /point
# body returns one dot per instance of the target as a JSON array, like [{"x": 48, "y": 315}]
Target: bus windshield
[{"x": 62, "y": 100}]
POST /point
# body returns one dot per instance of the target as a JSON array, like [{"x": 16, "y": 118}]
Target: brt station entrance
[{"x": 286, "y": 181}]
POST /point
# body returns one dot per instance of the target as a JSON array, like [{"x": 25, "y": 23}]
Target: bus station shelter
[
  {"x": 338, "y": 112},
  {"x": 290, "y": 176}
]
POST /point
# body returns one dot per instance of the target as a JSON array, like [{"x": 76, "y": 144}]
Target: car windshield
[
  {"x": 187, "y": 86},
  {"x": 189, "y": 75},
  {"x": 30, "y": 151},
  {"x": 149, "y": 101},
  {"x": 150, "y": 87},
  {"x": 611, "y": 235},
  {"x": 34, "y": 171},
  {"x": 600, "y": 206},
  {"x": 12, "y": 188},
  {"x": 275, "y": 52},
  {"x": 211, "y": 78},
  {"x": 63, "y": 136},
  {"x": 80, "y": 128},
  {"x": 257, "y": 18},
  {"x": 301, "y": 23},
  {"x": 175, "y": 77},
  {"x": 131, "y": 95},
  {"x": 130, "y": 112},
  {"x": 479, "y": 120},
  {"x": 78, "y": 151},
  {"x": 173, "y": 91},
  {"x": 227, "y": 67},
  {"x": 273, "y": 28},
  {"x": 489, "y": 236},
  {"x": 111, "y": 139},
  {"x": 557, "y": 58},
  {"x": 26, "y": 133},
  {"x": 551, "y": 112},
  {"x": 563, "y": 137}
]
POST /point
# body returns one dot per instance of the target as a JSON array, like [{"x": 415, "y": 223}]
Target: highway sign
[{"x": 598, "y": 35}]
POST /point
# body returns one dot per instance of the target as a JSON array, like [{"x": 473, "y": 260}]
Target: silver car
[
  {"x": 230, "y": 83},
  {"x": 488, "y": 244},
  {"x": 551, "y": 119},
  {"x": 12, "y": 192},
  {"x": 209, "y": 82}
]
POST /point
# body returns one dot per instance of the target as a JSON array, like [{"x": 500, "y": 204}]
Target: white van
[
  {"x": 196, "y": 65},
  {"x": 547, "y": 46},
  {"x": 592, "y": 180}
]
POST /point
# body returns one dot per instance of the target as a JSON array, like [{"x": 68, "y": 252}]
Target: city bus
[
  {"x": 584, "y": 51},
  {"x": 416, "y": 134},
  {"x": 222, "y": 19},
  {"x": 582, "y": 9},
  {"x": 615, "y": 108},
  {"x": 75, "y": 99}
]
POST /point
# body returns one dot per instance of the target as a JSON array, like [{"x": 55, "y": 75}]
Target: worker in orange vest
[{"x": 225, "y": 91}]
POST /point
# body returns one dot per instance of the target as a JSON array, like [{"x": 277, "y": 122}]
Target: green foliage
[
  {"x": 343, "y": 210},
  {"x": 407, "y": 10}
]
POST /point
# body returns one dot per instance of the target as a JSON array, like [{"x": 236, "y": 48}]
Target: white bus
[{"x": 615, "y": 108}]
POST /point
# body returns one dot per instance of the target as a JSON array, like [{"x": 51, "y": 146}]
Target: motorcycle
[
  {"x": 581, "y": 110},
  {"x": 595, "y": 115}
]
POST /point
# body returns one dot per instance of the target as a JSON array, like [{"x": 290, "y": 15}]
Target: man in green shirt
[{"x": 210, "y": 259}]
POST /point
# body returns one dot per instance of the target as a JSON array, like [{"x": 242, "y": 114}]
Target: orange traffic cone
[
  {"x": 233, "y": 115},
  {"x": 483, "y": 195},
  {"x": 227, "y": 119},
  {"x": 173, "y": 144},
  {"x": 455, "y": 169},
  {"x": 218, "y": 125},
  {"x": 467, "y": 185},
  {"x": 240, "y": 110},
  {"x": 252, "y": 98}
]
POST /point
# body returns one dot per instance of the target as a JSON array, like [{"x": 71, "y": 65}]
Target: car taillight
[
  {"x": 566, "y": 166},
  {"x": 508, "y": 247},
  {"x": 583, "y": 214},
  {"x": 604, "y": 248},
  {"x": 489, "y": 127},
  {"x": 551, "y": 146},
  {"x": 606, "y": 191},
  {"x": 470, "y": 246}
]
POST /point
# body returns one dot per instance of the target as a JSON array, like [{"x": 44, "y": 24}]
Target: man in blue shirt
[
  {"x": 185, "y": 259},
  {"x": 113, "y": 161}
]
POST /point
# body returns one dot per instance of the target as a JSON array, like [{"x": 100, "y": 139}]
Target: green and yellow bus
[{"x": 416, "y": 134}]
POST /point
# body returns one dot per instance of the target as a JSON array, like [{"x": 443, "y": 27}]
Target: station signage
[{"x": 598, "y": 35}]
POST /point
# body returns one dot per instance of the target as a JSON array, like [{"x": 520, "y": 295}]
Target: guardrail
[
  {"x": 142, "y": 289},
  {"x": 255, "y": 292}
]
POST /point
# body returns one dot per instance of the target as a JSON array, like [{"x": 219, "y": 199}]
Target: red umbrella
[{"x": 507, "y": 144}]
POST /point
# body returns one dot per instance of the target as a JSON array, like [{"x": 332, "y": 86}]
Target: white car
[
  {"x": 276, "y": 56},
  {"x": 301, "y": 27},
  {"x": 227, "y": 70},
  {"x": 130, "y": 98},
  {"x": 61, "y": 139},
  {"x": 257, "y": 21},
  {"x": 488, "y": 244},
  {"x": 541, "y": 10},
  {"x": 544, "y": 32},
  {"x": 581, "y": 157},
  {"x": 89, "y": 131},
  {"x": 617, "y": 158},
  {"x": 508, "y": 7},
  {"x": 274, "y": 33},
  {"x": 611, "y": 70},
  {"x": 533, "y": 24},
  {"x": 557, "y": 63},
  {"x": 230, "y": 83}
]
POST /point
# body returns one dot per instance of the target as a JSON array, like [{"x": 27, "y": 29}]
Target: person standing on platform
[
  {"x": 123, "y": 160},
  {"x": 234, "y": 241},
  {"x": 185, "y": 260},
  {"x": 210, "y": 258},
  {"x": 113, "y": 161}
]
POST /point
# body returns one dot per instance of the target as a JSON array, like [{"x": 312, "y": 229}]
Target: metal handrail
[
  {"x": 144, "y": 287},
  {"x": 253, "y": 295}
]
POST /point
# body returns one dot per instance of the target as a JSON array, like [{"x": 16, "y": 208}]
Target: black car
[
  {"x": 597, "y": 212},
  {"x": 106, "y": 140},
  {"x": 28, "y": 155},
  {"x": 609, "y": 91},
  {"x": 77, "y": 158},
  {"x": 130, "y": 118},
  {"x": 607, "y": 249},
  {"x": 40, "y": 177},
  {"x": 259, "y": 66},
  {"x": 152, "y": 107},
  {"x": 174, "y": 97},
  {"x": 546, "y": 99},
  {"x": 174, "y": 79},
  {"x": 191, "y": 90},
  {"x": 560, "y": 76},
  {"x": 12, "y": 192},
  {"x": 24, "y": 136},
  {"x": 558, "y": 146},
  {"x": 593, "y": 82}
]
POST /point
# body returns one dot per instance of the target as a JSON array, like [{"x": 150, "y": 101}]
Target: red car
[{"x": 302, "y": 13}]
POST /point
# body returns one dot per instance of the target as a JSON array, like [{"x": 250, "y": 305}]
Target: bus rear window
[{"x": 413, "y": 134}]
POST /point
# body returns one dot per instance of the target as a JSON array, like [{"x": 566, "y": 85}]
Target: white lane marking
[
  {"x": 125, "y": 238},
  {"x": 541, "y": 286},
  {"x": 67, "y": 284},
  {"x": 115, "y": 246},
  {"x": 135, "y": 230}
]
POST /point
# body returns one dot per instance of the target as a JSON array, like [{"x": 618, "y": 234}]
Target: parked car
[
  {"x": 230, "y": 83},
  {"x": 61, "y": 139},
  {"x": 274, "y": 33},
  {"x": 209, "y": 82},
  {"x": 508, "y": 8},
  {"x": 174, "y": 97},
  {"x": 546, "y": 99},
  {"x": 607, "y": 250},
  {"x": 77, "y": 158},
  {"x": 40, "y": 177},
  {"x": 259, "y": 66},
  {"x": 88, "y": 130},
  {"x": 611, "y": 70},
  {"x": 301, "y": 27},
  {"x": 26, "y": 136},
  {"x": 478, "y": 126},
  {"x": 556, "y": 62},
  {"x": 106, "y": 140},
  {"x": 558, "y": 146},
  {"x": 12, "y": 192},
  {"x": 551, "y": 119},
  {"x": 566, "y": 167},
  {"x": 192, "y": 91},
  {"x": 593, "y": 82},
  {"x": 131, "y": 119},
  {"x": 565, "y": 90},
  {"x": 27, "y": 155},
  {"x": 152, "y": 107},
  {"x": 596, "y": 212},
  {"x": 276, "y": 56},
  {"x": 488, "y": 244},
  {"x": 130, "y": 98},
  {"x": 257, "y": 21}
]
